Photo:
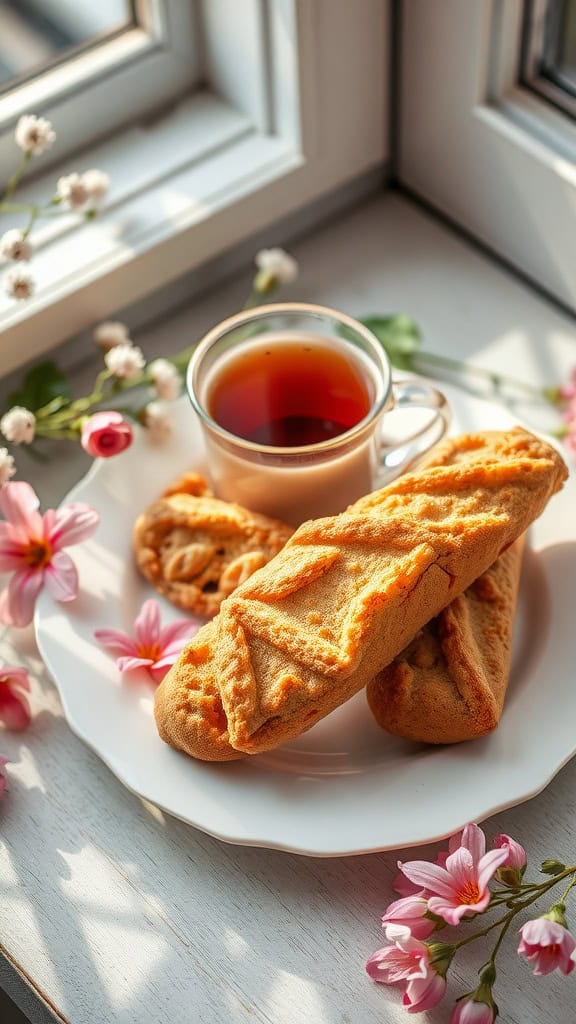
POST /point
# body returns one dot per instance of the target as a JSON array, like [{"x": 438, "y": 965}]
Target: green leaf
[
  {"x": 398, "y": 334},
  {"x": 43, "y": 384}
]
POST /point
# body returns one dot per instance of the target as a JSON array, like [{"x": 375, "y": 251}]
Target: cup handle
[{"x": 398, "y": 457}]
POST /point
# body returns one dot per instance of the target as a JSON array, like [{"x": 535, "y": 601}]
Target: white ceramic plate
[{"x": 345, "y": 787}]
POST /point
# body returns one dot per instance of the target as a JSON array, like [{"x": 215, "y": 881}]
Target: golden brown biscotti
[
  {"x": 195, "y": 549},
  {"x": 449, "y": 683},
  {"x": 347, "y": 593}
]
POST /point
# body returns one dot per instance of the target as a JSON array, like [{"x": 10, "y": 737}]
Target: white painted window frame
[
  {"x": 491, "y": 155},
  {"x": 225, "y": 164},
  {"x": 105, "y": 86}
]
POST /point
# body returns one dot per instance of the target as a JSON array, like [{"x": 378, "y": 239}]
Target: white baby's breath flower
[
  {"x": 72, "y": 191},
  {"x": 15, "y": 246},
  {"x": 7, "y": 467},
  {"x": 111, "y": 333},
  {"x": 96, "y": 184},
  {"x": 158, "y": 422},
  {"x": 277, "y": 264},
  {"x": 125, "y": 361},
  {"x": 34, "y": 134},
  {"x": 18, "y": 425},
  {"x": 165, "y": 378},
  {"x": 19, "y": 284}
]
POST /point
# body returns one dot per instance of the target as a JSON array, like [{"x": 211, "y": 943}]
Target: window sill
[{"x": 141, "y": 239}]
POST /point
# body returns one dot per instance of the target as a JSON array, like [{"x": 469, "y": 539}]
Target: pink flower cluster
[{"x": 456, "y": 886}]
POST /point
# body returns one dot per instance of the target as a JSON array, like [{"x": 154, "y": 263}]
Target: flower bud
[
  {"x": 106, "y": 434},
  {"x": 552, "y": 867},
  {"x": 441, "y": 955}
]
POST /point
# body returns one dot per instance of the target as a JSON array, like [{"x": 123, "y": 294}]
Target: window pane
[
  {"x": 35, "y": 34},
  {"x": 559, "y": 58}
]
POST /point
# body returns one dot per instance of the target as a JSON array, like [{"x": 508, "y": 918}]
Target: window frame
[
  {"x": 96, "y": 91},
  {"x": 327, "y": 127},
  {"x": 488, "y": 153}
]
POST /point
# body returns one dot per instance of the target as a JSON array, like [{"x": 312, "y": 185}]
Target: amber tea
[{"x": 289, "y": 393}]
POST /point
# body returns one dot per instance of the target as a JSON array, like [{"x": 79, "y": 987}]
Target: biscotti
[
  {"x": 195, "y": 549},
  {"x": 347, "y": 593},
  {"x": 449, "y": 683}
]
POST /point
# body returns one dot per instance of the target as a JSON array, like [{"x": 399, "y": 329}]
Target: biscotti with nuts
[{"x": 195, "y": 549}]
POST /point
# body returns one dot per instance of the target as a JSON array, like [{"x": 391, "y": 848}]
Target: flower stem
[
  {"x": 424, "y": 361},
  {"x": 14, "y": 180},
  {"x": 570, "y": 886},
  {"x": 541, "y": 890}
]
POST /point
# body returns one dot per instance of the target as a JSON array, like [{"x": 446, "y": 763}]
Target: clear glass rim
[{"x": 279, "y": 309}]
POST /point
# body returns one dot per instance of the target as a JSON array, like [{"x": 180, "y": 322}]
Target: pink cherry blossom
[
  {"x": 410, "y": 911},
  {"x": 31, "y": 547},
  {"x": 408, "y": 960},
  {"x": 14, "y": 707},
  {"x": 461, "y": 887},
  {"x": 3, "y": 761},
  {"x": 106, "y": 434},
  {"x": 468, "y": 1011},
  {"x": 154, "y": 647},
  {"x": 547, "y": 945}
]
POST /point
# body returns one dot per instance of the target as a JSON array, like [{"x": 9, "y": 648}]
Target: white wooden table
[{"x": 111, "y": 911}]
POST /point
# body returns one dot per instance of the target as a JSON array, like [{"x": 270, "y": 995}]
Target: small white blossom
[
  {"x": 96, "y": 184},
  {"x": 125, "y": 361},
  {"x": 7, "y": 467},
  {"x": 15, "y": 246},
  {"x": 158, "y": 422},
  {"x": 19, "y": 284},
  {"x": 165, "y": 378},
  {"x": 277, "y": 264},
  {"x": 72, "y": 191},
  {"x": 18, "y": 425},
  {"x": 111, "y": 333},
  {"x": 34, "y": 134}
]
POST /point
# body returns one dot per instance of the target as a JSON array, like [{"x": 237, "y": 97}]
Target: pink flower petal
[
  {"x": 72, "y": 524},
  {"x": 461, "y": 867},
  {"x": 15, "y": 676},
  {"x": 147, "y": 624},
  {"x": 115, "y": 641},
  {"x": 19, "y": 505},
  {"x": 62, "y": 577},
  {"x": 11, "y": 562},
  {"x": 14, "y": 708},
  {"x": 489, "y": 864},
  {"x": 516, "y": 858},
  {"x": 175, "y": 649},
  {"x": 4, "y": 608},
  {"x": 474, "y": 840},
  {"x": 18, "y": 600},
  {"x": 166, "y": 661},
  {"x": 423, "y": 993},
  {"x": 450, "y": 910},
  {"x": 429, "y": 876},
  {"x": 177, "y": 632},
  {"x": 129, "y": 664},
  {"x": 405, "y": 887}
]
